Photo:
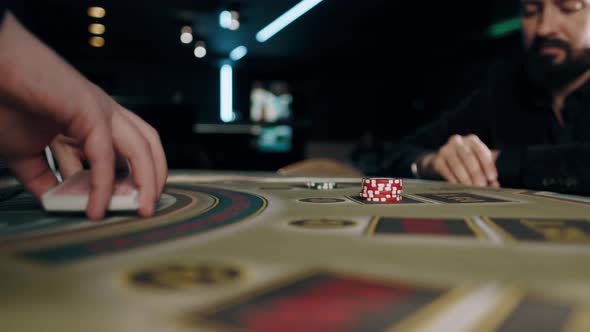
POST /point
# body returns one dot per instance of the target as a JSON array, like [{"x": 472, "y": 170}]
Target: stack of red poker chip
[{"x": 382, "y": 190}]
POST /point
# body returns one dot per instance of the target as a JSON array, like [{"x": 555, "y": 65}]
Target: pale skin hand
[
  {"x": 69, "y": 153},
  {"x": 462, "y": 160},
  {"x": 43, "y": 100}
]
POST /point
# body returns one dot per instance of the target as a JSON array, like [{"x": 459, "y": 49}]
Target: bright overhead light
[
  {"x": 234, "y": 25},
  {"x": 226, "y": 112},
  {"x": 285, "y": 19},
  {"x": 96, "y": 28},
  {"x": 238, "y": 53},
  {"x": 200, "y": 50},
  {"x": 186, "y": 34},
  {"x": 186, "y": 37},
  {"x": 229, "y": 19},
  {"x": 96, "y": 41},
  {"x": 96, "y": 12},
  {"x": 225, "y": 19}
]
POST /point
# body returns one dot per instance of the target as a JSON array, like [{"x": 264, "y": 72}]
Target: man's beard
[{"x": 544, "y": 72}]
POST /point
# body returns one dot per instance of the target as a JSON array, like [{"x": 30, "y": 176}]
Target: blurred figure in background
[{"x": 270, "y": 105}]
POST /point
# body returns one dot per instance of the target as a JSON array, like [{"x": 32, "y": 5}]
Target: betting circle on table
[{"x": 233, "y": 252}]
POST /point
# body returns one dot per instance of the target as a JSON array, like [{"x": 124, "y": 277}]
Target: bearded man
[{"x": 528, "y": 124}]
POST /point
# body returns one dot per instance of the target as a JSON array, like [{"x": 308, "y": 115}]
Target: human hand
[
  {"x": 69, "y": 154},
  {"x": 41, "y": 96},
  {"x": 463, "y": 160}
]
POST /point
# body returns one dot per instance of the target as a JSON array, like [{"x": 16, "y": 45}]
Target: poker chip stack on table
[
  {"x": 321, "y": 185},
  {"x": 382, "y": 190}
]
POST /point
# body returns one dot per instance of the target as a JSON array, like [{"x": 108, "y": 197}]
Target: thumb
[{"x": 34, "y": 174}]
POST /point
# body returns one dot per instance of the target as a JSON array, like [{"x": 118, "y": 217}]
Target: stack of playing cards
[{"x": 72, "y": 194}]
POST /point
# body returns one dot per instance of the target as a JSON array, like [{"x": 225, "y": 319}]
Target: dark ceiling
[
  {"x": 334, "y": 28},
  {"x": 389, "y": 61},
  {"x": 349, "y": 55}
]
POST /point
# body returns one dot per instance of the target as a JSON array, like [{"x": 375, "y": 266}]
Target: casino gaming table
[{"x": 231, "y": 251}]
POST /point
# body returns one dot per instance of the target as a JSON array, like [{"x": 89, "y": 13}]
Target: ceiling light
[
  {"x": 186, "y": 34},
  {"x": 229, "y": 19},
  {"x": 96, "y": 28},
  {"x": 186, "y": 38},
  {"x": 285, "y": 19},
  {"x": 225, "y": 19},
  {"x": 226, "y": 112},
  {"x": 234, "y": 25},
  {"x": 200, "y": 50},
  {"x": 96, "y": 41},
  {"x": 96, "y": 12},
  {"x": 238, "y": 53}
]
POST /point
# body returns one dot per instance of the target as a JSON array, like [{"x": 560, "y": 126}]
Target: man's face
[{"x": 557, "y": 39}]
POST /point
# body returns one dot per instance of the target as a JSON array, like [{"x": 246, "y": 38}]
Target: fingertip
[
  {"x": 452, "y": 181},
  {"x": 146, "y": 211},
  {"x": 94, "y": 213},
  {"x": 491, "y": 170},
  {"x": 147, "y": 202},
  {"x": 97, "y": 205},
  {"x": 159, "y": 193},
  {"x": 492, "y": 176},
  {"x": 101, "y": 191},
  {"x": 482, "y": 183},
  {"x": 101, "y": 156}
]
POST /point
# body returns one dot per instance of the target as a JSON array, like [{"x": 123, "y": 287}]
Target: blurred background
[{"x": 260, "y": 84}]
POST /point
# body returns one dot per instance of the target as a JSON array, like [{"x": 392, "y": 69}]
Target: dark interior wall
[
  {"x": 338, "y": 98},
  {"x": 387, "y": 74}
]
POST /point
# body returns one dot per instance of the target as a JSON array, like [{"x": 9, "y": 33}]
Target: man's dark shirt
[{"x": 508, "y": 113}]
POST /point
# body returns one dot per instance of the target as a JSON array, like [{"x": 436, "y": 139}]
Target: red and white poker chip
[
  {"x": 383, "y": 190},
  {"x": 375, "y": 182},
  {"x": 394, "y": 199}
]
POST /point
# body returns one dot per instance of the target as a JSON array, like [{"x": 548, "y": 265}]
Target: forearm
[
  {"x": 406, "y": 158},
  {"x": 411, "y": 148},
  {"x": 29, "y": 70},
  {"x": 399, "y": 162}
]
